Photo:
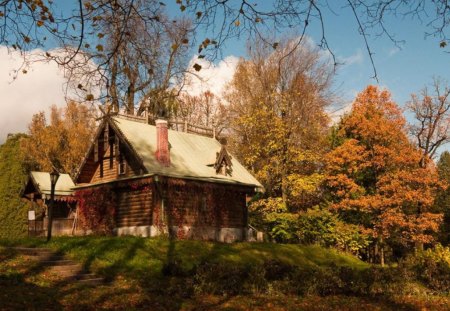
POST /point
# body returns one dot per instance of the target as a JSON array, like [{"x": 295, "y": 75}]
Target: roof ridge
[{"x": 188, "y": 128}]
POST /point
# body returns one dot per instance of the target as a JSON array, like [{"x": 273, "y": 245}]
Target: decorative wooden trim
[
  {"x": 223, "y": 164},
  {"x": 119, "y": 136},
  {"x": 127, "y": 144},
  {"x": 86, "y": 156}
]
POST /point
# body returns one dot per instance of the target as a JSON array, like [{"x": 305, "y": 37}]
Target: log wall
[
  {"x": 206, "y": 205},
  {"x": 134, "y": 207}
]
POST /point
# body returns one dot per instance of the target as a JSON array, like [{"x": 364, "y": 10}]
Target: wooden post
[
  {"x": 53, "y": 180},
  {"x": 50, "y": 213}
]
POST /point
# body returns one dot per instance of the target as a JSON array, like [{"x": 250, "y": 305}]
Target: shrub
[
  {"x": 271, "y": 215},
  {"x": 220, "y": 278},
  {"x": 314, "y": 226},
  {"x": 276, "y": 270},
  {"x": 431, "y": 267},
  {"x": 320, "y": 226},
  {"x": 321, "y": 281},
  {"x": 276, "y": 276}
]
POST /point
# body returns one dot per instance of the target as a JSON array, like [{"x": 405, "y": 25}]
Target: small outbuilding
[{"x": 37, "y": 193}]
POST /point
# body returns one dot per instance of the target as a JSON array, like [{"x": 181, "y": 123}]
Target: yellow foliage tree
[
  {"x": 278, "y": 120},
  {"x": 62, "y": 143}
]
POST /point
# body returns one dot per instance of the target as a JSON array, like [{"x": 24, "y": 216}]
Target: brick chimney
[{"x": 162, "y": 142}]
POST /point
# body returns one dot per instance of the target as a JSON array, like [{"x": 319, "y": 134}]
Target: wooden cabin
[
  {"x": 167, "y": 181},
  {"x": 37, "y": 193}
]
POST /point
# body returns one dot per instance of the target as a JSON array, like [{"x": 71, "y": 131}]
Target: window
[
  {"x": 106, "y": 138},
  {"x": 96, "y": 152},
  {"x": 122, "y": 165},
  {"x": 203, "y": 205},
  {"x": 111, "y": 154}
]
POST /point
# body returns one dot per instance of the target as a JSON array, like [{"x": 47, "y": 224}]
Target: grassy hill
[
  {"x": 143, "y": 257},
  {"x": 159, "y": 274}
]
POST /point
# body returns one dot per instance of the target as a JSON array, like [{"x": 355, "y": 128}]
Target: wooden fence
[{"x": 60, "y": 226}]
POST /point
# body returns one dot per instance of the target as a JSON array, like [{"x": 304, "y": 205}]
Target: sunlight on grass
[{"x": 145, "y": 257}]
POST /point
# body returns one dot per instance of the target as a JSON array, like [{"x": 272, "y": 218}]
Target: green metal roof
[
  {"x": 191, "y": 156},
  {"x": 63, "y": 186}
]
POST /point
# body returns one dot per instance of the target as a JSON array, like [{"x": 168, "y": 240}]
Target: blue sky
[{"x": 402, "y": 71}]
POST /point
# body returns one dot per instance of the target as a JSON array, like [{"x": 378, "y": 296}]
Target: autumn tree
[
  {"x": 205, "y": 109},
  {"x": 443, "y": 198},
  {"x": 278, "y": 119},
  {"x": 133, "y": 52},
  {"x": 374, "y": 177},
  {"x": 62, "y": 142},
  {"x": 431, "y": 110}
]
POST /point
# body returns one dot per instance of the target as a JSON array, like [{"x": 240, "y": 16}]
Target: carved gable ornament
[{"x": 223, "y": 164}]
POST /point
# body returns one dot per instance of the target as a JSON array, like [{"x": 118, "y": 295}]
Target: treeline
[{"x": 369, "y": 184}]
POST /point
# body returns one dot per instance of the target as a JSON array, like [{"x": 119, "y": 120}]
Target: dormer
[{"x": 223, "y": 164}]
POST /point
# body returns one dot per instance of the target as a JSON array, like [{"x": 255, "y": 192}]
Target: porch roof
[{"x": 41, "y": 181}]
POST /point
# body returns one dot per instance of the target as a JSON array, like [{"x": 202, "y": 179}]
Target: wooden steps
[{"x": 56, "y": 263}]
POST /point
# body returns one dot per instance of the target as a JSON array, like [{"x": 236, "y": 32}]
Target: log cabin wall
[
  {"x": 134, "y": 207},
  {"x": 206, "y": 205}
]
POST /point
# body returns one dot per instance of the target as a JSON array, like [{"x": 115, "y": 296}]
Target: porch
[{"x": 60, "y": 226}]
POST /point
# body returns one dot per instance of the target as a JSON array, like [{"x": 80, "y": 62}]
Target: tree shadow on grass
[
  {"x": 139, "y": 289},
  {"x": 18, "y": 294},
  {"x": 25, "y": 285}
]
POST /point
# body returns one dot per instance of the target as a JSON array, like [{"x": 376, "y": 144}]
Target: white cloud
[
  {"x": 20, "y": 98},
  {"x": 336, "y": 113},
  {"x": 393, "y": 51},
  {"x": 211, "y": 77},
  {"x": 356, "y": 58}
]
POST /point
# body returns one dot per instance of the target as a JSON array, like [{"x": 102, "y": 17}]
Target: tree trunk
[{"x": 113, "y": 87}]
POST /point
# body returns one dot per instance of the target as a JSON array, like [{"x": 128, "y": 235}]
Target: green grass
[
  {"x": 135, "y": 266},
  {"x": 144, "y": 257}
]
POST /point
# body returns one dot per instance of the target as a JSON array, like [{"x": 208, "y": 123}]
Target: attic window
[
  {"x": 223, "y": 163},
  {"x": 122, "y": 165},
  {"x": 106, "y": 138},
  {"x": 96, "y": 152}
]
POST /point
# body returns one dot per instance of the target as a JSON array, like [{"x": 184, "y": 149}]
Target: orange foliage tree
[{"x": 374, "y": 177}]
